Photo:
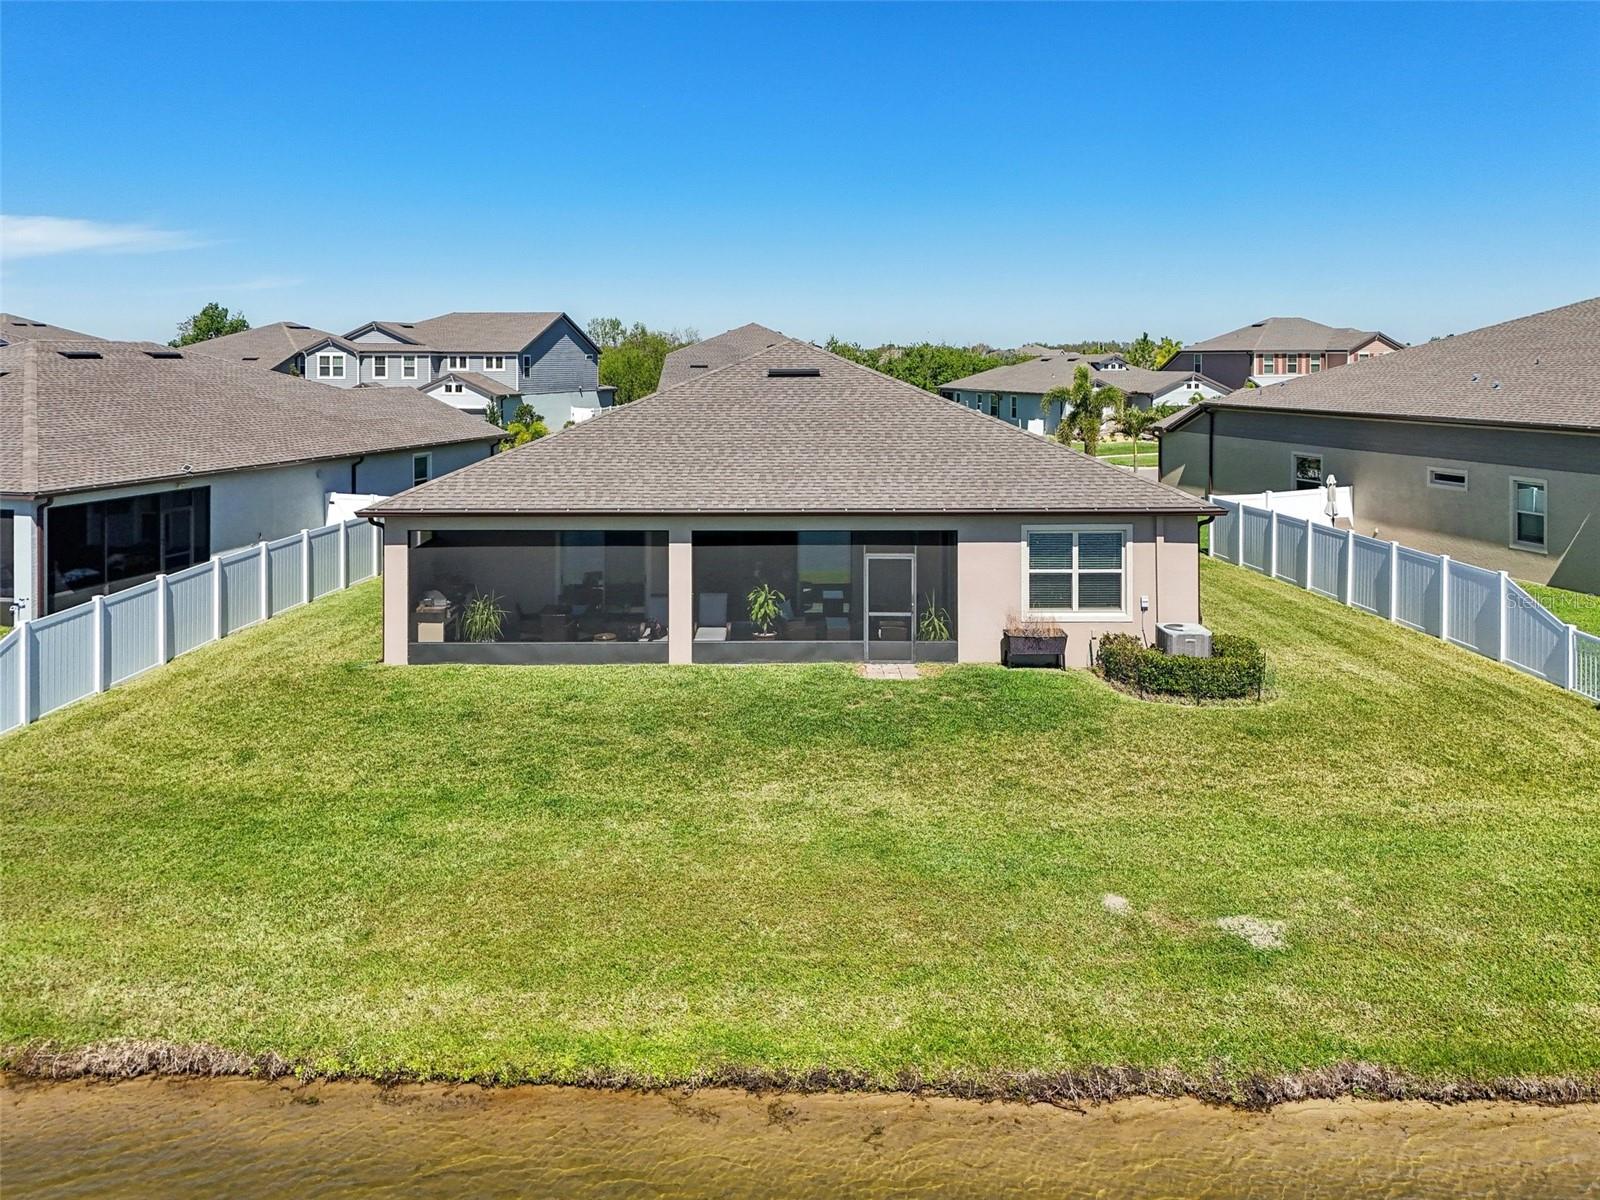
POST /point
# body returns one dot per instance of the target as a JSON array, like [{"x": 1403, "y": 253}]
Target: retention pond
[{"x": 246, "y": 1138}]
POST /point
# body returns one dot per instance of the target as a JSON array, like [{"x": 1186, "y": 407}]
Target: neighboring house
[
  {"x": 705, "y": 356},
  {"x": 121, "y": 460},
  {"x": 15, "y": 329},
  {"x": 1016, "y": 393},
  {"x": 895, "y": 526},
  {"x": 479, "y": 362},
  {"x": 1277, "y": 350},
  {"x": 1484, "y": 446}
]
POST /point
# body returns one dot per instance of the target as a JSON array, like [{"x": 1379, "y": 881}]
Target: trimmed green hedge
[{"x": 1237, "y": 667}]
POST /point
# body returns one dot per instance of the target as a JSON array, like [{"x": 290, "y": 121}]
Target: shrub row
[{"x": 1237, "y": 667}]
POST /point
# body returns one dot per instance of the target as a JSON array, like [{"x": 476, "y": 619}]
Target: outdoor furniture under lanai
[{"x": 712, "y": 625}]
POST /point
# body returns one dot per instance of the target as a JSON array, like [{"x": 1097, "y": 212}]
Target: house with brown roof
[
  {"x": 1276, "y": 350},
  {"x": 479, "y": 362},
  {"x": 120, "y": 461},
  {"x": 1016, "y": 393},
  {"x": 14, "y": 329},
  {"x": 709, "y": 354},
  {"x": 1484, "y": 446},
  {"x": 789, "y": 506}
]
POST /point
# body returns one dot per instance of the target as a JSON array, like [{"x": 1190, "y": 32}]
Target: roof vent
[
  {"x": 1495, "y": 386},
  {"x": 698, "y": 366},
  {"x": 80, "y": 353},
  {"x": 1258, "y": 324},
  {"x": 793, "y": 372},
  {"x": 295, "y": 325},
  {"x": 1476, "y": 377},
  {"x": 164, "y": 353}
]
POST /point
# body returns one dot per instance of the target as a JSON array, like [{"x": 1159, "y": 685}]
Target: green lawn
[
  {"x": 274, "y": 844},
  {"x": 1576, "y": 608}
]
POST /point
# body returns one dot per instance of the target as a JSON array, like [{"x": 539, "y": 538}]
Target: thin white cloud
[{"x": 35, "y": 237}]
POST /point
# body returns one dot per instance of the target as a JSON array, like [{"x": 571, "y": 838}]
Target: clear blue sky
[{"x": 883, "y": 173}]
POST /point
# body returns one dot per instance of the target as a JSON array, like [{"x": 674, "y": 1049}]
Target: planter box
[{"x": 1021, "y": 651}]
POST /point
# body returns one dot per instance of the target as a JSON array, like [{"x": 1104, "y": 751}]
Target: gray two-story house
[
  {"x": 1276, "y": 350},
  {"x": 480, "y": 362}
]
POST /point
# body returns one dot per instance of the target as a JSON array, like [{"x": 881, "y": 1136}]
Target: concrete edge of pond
[{"x": 44, "y": 1061}]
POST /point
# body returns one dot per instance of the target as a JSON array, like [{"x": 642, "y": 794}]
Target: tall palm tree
[{"x": 1135, "y": 422}]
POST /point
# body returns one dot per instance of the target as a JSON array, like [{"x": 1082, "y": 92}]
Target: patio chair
[{"x": 712, "y": 625}]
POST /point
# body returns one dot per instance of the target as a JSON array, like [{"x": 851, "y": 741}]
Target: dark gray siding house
[
  {"x": 1278, "y": 349},
  {"x": 1484, "y": 446}
]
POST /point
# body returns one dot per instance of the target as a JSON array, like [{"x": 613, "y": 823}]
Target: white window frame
[
  {"x": 1517, "y": 543},
  {"x": 408, "y": 366},
  {"x": 1103, "y": 615},
  {"x": 1316, "y": 364},
  {"x": 1291, "y": 363},
  {"x": 527, "y": 365},
  {"x": 1433, "y": 481},
  {"x": 380, "y": 366},
  {"x": 330, "y": 359},
  {"x": 1012, "y": 402},
  {"x": 1294, "y": 468},
  {"x": 494, "y": 362},
  {"x": 426, "y": 459},
  {"x": 455, "y": 362},
  {"x": 455, "y": 389}
]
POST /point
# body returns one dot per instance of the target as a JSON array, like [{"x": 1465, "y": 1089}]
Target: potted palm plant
[
  {"x": 482, "y": 620},
  {"x": 766, "y": 606}
]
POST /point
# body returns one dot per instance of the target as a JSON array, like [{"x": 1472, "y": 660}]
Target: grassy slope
[
  {"x": 275, "y": 845},
  {"x": 1578, "y": 608}
]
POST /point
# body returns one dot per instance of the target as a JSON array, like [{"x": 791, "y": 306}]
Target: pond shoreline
[{"x": 1246, "y": 1091}]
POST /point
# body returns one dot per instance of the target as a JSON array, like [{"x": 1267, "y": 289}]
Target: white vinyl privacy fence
[
  {"x": 1479, "y": 610},
  {"x": 54, "y": 660}
]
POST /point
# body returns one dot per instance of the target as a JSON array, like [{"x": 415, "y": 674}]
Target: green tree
[
  {"x": 1081, "y": 408},
  {"x": 605, "y": 332},
  {"x": 633, "y": 365},
  {"x": 1166, "y": 350},
  {"x": 1135, "y": 422},
  {"x": 927, "y": 365},
  {"x": 1141, "y": 352},
  {"x": 211, "y": 321},
  {"x": 525, "y": 426}
]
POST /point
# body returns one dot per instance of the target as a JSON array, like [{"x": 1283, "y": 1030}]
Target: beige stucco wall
[
  {"x": 1386, "y": 464},
  {"x": 1163, "y": 556}
]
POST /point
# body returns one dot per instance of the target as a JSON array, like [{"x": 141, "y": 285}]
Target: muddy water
[{"x": 239, "y": 1138}]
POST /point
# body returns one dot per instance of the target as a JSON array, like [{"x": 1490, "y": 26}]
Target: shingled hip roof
[
  {"x": 76, "y": 415},
  {"x": 792, "y": 429},
  {"x": 1538, "y": 372},
  {"x": 714, "y": 353}
]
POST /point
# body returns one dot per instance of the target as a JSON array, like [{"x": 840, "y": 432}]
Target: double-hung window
[
  {"x": 527, "y": 364},
  {"x": 455, "y": 362},
  {"x": 1528, "y": 515},
  {"x": 408, "y": 366},
  {"x": 1316, "y": 363},
  {"x": 380, "y": 367},
  {"x": 1075, "y": 570},
  {"x": 421, "y": 468},
  {"x": 1012, "y": 401},
  {"x": 330, "y": 366},
  {"x": 494, "y": 362},
  {"x": 1199, "y": 362},
  {"x": 1291, "y": 364},
  {"x": 455, "y": 389}
]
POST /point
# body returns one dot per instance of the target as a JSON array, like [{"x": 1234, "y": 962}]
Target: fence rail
[
  {"x": 52, "y": 661},
  {"x": 1478, "y": 610}
]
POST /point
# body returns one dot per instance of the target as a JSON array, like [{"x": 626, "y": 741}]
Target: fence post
[
  {"x": 24, "y": 673},
  {"x": 344, "y": 555},
  {"x": 163, "y": 600},
  {"x": 1349, "y": 584},
  {"x": 1571, "y": 681},
  {"x": 266, "y": 579},
  {"x": 1272, "y": 543},
  {"x": 97, "y": 618},
  {"x": 1394, "y": 580},
  {"x": 216, "y": 598},
  {"x": 305, "y": 566},
  {"x": 1505, "y": 596},
  {"x": 1444, "y": 597},
  {"x": 1311, "y": 540}
]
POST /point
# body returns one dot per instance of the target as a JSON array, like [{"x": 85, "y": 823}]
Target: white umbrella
[{"x": 1332, "y": 506}]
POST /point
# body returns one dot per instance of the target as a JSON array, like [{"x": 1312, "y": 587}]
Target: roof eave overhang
[{"x": 1408, "y": 418}]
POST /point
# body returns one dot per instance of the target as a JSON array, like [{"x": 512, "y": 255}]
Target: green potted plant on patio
[
  {"x": 766, "y": 606},
  {"x": 482, "y": 620}
]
